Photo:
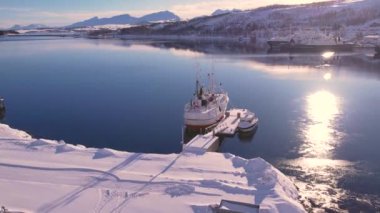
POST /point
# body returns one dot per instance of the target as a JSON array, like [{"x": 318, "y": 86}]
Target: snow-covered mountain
[
  {"x": 220, "y": 12},
  {"x": 160, "y": 16},
  {"x": 349, "y": 18},
  {"x": 127, "y": 19},
  {"x": 28, "y": 27}
]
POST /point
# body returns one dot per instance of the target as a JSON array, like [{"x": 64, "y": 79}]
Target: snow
[
  {"x": 40, "y": 175},
  {"x": 105, "y": 26}
]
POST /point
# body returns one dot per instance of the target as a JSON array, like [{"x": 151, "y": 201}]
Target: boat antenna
[
  {"x": 213, "y": 82},
  {"x": 209, "y": 81},
  {"x": 197, "y": 80}
]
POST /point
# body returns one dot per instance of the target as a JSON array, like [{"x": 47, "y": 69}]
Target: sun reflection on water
[
  {"x": 319, "y": 173},
  {"x": 327, "y": 76},
  {"x": 328, "y": 55},
  {"x": 320, "y": 133}
]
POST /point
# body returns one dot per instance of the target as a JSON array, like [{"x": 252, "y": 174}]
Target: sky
[{"x": 65, "y": 12}]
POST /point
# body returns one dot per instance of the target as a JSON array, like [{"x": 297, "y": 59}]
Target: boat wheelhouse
[{"x": 207, "y": 107}]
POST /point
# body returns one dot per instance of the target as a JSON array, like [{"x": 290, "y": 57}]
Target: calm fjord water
[{"x": 319, "y": 116}]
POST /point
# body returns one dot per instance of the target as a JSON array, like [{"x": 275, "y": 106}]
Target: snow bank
[
  {"x": 70, "y": 178},
  {"x": 67, "y": 148},
  {"x": 7, "y": 132},
  {"x": 43, "y": 142},
  {"x": 103, "y": 153}
]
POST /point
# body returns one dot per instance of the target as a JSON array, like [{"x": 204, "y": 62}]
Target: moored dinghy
[
  {"x": 248, "y": 123},
  {"x": 248, "y": 126}
]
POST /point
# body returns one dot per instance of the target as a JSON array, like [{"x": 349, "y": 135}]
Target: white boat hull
[
  {"x": 201, "y": 123},
  {"x": 248, "y": 126}
]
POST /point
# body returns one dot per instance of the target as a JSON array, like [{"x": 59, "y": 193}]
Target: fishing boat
[
  {"x": 309, "y": 42},
  {"x": 207, "y": 107}
]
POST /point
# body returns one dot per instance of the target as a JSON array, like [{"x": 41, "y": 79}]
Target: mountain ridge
[
  {"x": 161, "y": 16},
  {"x": 349, "y": 19},
  {"x": 27, "y": 27}
]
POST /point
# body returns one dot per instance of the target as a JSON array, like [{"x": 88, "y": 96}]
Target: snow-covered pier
[
  {"x": 229, "y": 125},
  {"x": 202, "y": 143},
  {"x": 209, "y": 142}
]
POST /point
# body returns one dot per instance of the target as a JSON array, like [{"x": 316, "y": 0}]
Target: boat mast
[
  {"x": 212, "y": 76},
  {"x": 197, "y": 83}
]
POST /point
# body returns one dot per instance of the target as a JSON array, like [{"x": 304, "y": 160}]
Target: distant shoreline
[{"x": 180, "y": 38}]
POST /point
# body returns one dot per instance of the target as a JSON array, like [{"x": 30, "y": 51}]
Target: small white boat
[
  {"x": 207, "y": 107},
  {"x": 248, "y": 123}
]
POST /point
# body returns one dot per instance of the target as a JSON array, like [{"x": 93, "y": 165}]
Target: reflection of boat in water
[
  {"x": 206, "y": 108},
  {"x": 309, "y": 42},
  {"x": 377, "y": 54},
  {"x": 2, "y": 108},
  {"x": 2, "y": 105}
]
